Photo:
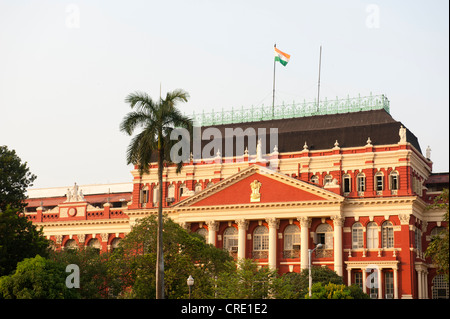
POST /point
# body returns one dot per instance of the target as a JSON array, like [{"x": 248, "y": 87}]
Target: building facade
[{"x": 355, "y": 182}]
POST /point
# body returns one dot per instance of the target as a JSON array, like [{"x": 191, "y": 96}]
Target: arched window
[
  {"x": 94, "y": 243},
  {"x": 291, "y": 241},
  {"x": 372, "y": 235},
  {"x": 70, "y": 244},
  {"x": 387, "y": 233},
  {"x": 379, "y": 181},
  {"x": 328, "y": 179},
  {"x": 346, "y": 183},
  {"x": 230, "y": 239},
  {"x": 324, "y": 234},
  {"x": 357, "y": 236},
  {"x": 394, "y": 181},
  {"x": 361, "y": 182},
  {"x": 155, "y": 194},
  {"x": 439, "y": 287},
  {"x": 260, "y": 242},
  {"x": 171, "y": 191},
  {"x": 203, "y": 232},
  {"x": 314, "y": 179},
  {"x": 115, "y": 243},
  {"x": 183, "y": 189},
  {"x": 209, "y": 184},
  {"x": 143, "y": 196}
]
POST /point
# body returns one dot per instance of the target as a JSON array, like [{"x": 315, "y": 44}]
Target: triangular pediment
[{"x": 269, "y": 186}]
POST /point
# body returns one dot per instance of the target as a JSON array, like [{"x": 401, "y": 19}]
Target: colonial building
[{"x": 345, "y": 175}]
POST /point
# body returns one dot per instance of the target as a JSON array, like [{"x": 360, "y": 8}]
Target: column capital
[
  {"x": 273, "y": 222},
  {"x": 212, "y": 225},
  {"x": 304, "y": 221},
  {"x": 404, "y": 219},
  {"x": 338, "y": 220},
  {"x": 242, "y": 223}
]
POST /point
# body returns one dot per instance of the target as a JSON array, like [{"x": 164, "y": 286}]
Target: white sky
[{"x": 67, "y": 66}]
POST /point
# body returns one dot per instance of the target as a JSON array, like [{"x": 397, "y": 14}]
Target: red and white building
[{"x": 356, "y": 182}]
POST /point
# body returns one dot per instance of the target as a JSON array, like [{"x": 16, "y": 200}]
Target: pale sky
[{"x": 67, "y": 66}]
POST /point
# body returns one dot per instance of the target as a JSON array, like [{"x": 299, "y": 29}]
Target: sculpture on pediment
[
  {"x": 256, "y": 195},
  {"x": 75, "y": 195}
]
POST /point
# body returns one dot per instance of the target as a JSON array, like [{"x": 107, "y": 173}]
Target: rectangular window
[
  {"x": 389, "y": 285},
  {"x": 359, "y": 279}
]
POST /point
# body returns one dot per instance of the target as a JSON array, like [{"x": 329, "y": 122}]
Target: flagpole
[
  {"x": 273, "y": 93},
  {"x": 318, "y": 83}
]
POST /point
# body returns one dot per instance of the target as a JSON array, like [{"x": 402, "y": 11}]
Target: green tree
[
  {"x": 296, "y": 285},
  {"x": 37, "y": 278},
  {"x": 329, "y": 291},
  {"x": 438, "y": 249},
  {"x": 246, "y": 281},
  {"x": 15, "y": 178},
  {"x": 157, "y": 119},
  {"x": 93, "y": 270},
  {"x": 19, "y": 239},
  {"x": 132, "y": 265}
]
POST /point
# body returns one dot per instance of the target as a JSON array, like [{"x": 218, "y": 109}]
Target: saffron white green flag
[{"x": 281, "y": 57}]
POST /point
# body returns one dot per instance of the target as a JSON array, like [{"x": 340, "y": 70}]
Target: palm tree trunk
[{"x": 159, "y": 241}]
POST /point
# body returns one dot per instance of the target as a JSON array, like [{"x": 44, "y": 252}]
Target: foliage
[
  {"x": 93, "y": 267},
  {"x": 296, "y": 285},
  {"x": 329, "y": 291},
  {"x": 37, "y": 278},
  {"x": 15, "y": 178},
  {"x": 157, "y": 120},
  {"x": 438, "y": 249},
  {"x": 246, "y": 281},
  {"x": 19, "y": 239},
  {"x": 132, "y": 266}
]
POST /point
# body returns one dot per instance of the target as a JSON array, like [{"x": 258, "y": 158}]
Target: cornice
[{"x": 47, "y": 225}]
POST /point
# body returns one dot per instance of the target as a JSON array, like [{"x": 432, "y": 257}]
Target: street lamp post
[
  {"x": 190, "y": 283},
  {"x": 310, "y": 277}
]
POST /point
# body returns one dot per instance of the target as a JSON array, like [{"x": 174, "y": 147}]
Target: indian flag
[{"x": 281, "y": 57}]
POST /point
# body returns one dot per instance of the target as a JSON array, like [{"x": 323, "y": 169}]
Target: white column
[
  {"x": 425, "y": 285},
  {"x": 242, "y": 232},
  {"x": 349, "y": 276},
  {"x": 364, "y": 280},
  {"x": 305, "y": 223},
  {"x": 395, "y": 283},
  {"x": 213, "y": 227},
  {"x": 338, "y": 222},
  {"x": 419, "y": 283},
  {"x": 380, "y": 286},
  {"x": 273, "y": 227}
]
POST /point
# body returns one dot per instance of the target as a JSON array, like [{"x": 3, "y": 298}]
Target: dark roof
[
  {"x": 438, "y": 178},
  {"x": 321, "y": 131}
]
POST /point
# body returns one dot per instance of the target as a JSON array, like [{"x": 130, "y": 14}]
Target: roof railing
[{"x": 293, "y": 110}]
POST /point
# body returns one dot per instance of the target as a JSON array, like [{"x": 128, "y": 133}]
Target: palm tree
[{"x": 157, "y": 120}]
